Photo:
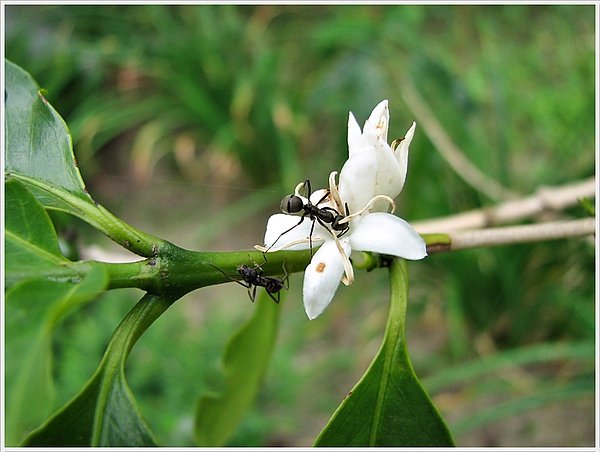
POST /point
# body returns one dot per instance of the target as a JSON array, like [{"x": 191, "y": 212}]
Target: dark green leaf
[
  {"x": 245, "y": 361},
  {"x": 388, "y": 406},
  {"x": 33, "y": 310},
  {"x": 38, "y": 144},
  {"x": 104, "y": 413},
  {"x": 39, "y": 153},
  {"x": 31, "y": 244}
]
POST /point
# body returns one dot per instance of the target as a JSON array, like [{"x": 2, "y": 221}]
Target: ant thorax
[{"x": 319, "y": 209}]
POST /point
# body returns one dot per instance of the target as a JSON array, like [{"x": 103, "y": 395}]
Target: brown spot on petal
[{"x": 320, "y": 267}]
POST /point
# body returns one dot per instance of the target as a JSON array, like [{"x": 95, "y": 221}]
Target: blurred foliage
[{"x": 242, "y": 102}]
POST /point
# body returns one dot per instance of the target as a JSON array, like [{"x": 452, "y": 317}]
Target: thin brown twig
[
  {"x": 545, "y": 199},
  {"x": 514, "y": 234}
]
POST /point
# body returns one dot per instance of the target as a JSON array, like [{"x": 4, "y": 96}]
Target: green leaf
[
  {"x": 104, "y": 413},
  {"x": 388, "y": 406},
  {"x": 30, "y": 239},
  {"x": 39, "y": 152},
  {"x": 38, "y": 143},
  {"x": 245, "y": 361},
  {"x": 33, "y": 310}
]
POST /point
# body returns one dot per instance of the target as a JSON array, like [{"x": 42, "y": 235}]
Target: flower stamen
[
  {"x": 348, "y": 277},
  {"x": 373, "y": 200},
  {"x": 335, "y": 194}
]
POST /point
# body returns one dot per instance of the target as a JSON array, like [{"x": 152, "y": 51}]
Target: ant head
[{"x": 292, "y": 204}]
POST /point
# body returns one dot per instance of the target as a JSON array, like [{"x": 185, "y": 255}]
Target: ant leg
[
  {"x": 253, "y": 294},
  {"x": 323, "y": 199},
  {"x": 312, "y": 228},
  {"x": 276, "y": 300},
  {"x": 341, "y": 234},
  {"x": 286, "y": 277},
  {"x": 247, "y": 286},
  {"x": 255, "y": 264},
  {"x": 322, "y": 223},
  {"x": 257, "y": 268},
  {"x": 285, "y": 232},
  {"x": 343, "y": 231}
]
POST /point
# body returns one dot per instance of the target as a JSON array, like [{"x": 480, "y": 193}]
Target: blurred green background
[{"x": 191, "y": 122}]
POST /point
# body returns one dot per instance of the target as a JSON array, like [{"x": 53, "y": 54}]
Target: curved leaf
[
  {"x": 30, "y": 239},
  {"x": 38, "y": 143},
  {"x": 104, "y": 413},
  {"x": 33, "y": 310},
  {"x": 39, "y": 152},
  {"x": 245, "y": 361},
  {"x": 388, "y": 406}
]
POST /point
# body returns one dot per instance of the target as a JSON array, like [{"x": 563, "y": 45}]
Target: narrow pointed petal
[
  {"x": 401, "y": 153},
  {"x": 389, "y": 179},
  {"x": 387, "y": 234},
  {"x": 379, "y": 120},
  {"x": 354, "y": 136},
  {"x": 322, "y": 278}
]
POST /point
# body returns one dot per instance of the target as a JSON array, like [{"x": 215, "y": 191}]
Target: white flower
[
  {"x": 378, "y": 232},
  {"x": 373, "y": 175},
  {"x": 373, "y": 163}
]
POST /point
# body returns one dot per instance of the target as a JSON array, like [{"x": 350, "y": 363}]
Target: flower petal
[
  {"x": 357, "y": 180},
  {"x": 389, "y": 177},
  {"x": 373, "y": 167},
  {"x": 321, "y": 198},
  {"x": 354, "y": 136},
  {"x": 322, "y": 278},
  {"x": 279, "y": 223},
  {"x": 379, "y": 121},
  {"x": 387, "y": 234},
  {"x": 401, "y": 153}
]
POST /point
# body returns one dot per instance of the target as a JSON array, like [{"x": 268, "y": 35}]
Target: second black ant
[{"x": 253, "y": 277}]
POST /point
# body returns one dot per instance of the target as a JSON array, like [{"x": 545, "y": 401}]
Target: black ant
[
  {"x": 293, "y": 204},
  {"x": 253, "y": 277}
]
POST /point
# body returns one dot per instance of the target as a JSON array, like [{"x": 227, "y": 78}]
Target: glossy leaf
[
  {"x": 245, "y": 361},
  {"x": 104, "y": 413},
  {"x": 42, "y": 288},
  {"x": 34, "y": 308},
  {"x": 39, "y": 153},
  {"x": 38, "y": 143},
  {"x": 388, "y": 406},
  {"x": 30, "y": 239}
]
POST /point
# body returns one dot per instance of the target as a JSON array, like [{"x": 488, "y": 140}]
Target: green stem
[
  {"x": 167, "y": 269},
  {"x": 90, "y": 211},
  {"x": 178, "y": 271}
]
